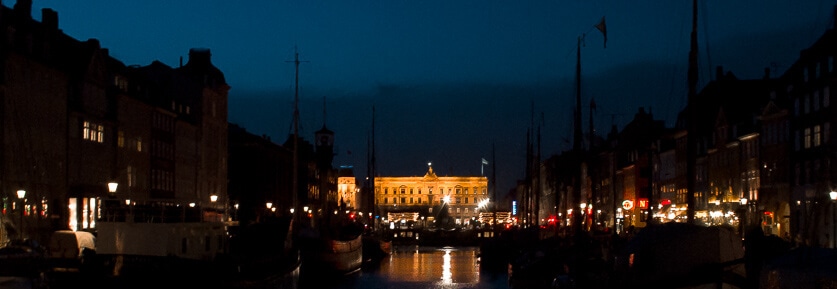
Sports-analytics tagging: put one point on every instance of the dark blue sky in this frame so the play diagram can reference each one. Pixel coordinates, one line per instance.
(449, 79)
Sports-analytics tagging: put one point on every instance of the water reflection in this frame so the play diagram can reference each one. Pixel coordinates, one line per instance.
(422, 267)
(444, 266)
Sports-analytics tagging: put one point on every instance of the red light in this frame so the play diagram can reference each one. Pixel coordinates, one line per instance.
(642, 203)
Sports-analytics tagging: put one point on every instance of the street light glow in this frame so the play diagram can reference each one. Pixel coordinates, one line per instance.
(112, 187)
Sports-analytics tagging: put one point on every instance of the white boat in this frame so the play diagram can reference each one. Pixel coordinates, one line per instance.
(162, 240)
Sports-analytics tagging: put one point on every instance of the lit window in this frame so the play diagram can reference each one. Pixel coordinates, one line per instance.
(132, 176)
(93, 132)
(100, 133)
(817, 136)
(139, 144)
(86, 132)
(121, 139)
(807, 140)
(73, 213)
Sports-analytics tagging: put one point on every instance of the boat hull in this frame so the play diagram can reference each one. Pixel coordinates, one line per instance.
(335, 256)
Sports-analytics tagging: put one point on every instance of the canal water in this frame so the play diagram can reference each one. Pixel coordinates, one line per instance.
(417, 267)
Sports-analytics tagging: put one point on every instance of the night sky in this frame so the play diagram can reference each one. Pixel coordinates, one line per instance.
(449, 80)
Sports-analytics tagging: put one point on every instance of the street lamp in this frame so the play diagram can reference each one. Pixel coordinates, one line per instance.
(112, 187)
(21, 194)
(833, 196)
(745, 216)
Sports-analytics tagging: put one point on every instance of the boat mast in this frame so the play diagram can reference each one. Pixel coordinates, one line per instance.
(372, 177)
(691, 137)
(494, 187)
(576, 215)
(295, 186)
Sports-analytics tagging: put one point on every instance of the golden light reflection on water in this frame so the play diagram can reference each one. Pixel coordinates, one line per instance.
(443, 266)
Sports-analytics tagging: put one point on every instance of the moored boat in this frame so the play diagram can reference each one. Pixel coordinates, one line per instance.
(162, 240)
(375, 248)
(332, 255)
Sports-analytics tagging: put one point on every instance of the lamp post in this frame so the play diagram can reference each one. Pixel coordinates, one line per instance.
(833, 196)
(112, 207)
(21, 194)
(744, 216)
(213, 198)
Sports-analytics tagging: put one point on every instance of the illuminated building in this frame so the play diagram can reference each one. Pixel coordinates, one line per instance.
(346, 188)
(449, 200)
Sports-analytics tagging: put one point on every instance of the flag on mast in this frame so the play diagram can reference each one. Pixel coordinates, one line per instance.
(603, 28)
(485, 162)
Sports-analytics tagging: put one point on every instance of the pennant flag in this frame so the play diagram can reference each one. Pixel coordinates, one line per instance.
(603, 28)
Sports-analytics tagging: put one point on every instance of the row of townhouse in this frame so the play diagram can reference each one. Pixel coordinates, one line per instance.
(80, 130)
(765, 156)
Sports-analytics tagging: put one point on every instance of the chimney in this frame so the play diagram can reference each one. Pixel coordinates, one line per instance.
(719, 72)
(199, 57)
(94, 43)
(49, 18)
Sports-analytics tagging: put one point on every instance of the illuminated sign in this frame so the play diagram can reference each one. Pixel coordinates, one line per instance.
(642, 203)
(665, 202)
(514, 207)
(627, 204)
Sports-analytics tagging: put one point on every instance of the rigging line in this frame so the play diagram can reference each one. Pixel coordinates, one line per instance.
(708, 69)
(674, 75)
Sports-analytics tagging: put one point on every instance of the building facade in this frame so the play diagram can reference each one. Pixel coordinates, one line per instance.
(443, 201)
(82, 132)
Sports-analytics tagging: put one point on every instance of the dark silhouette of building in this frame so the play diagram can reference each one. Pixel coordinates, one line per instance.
(75, 119)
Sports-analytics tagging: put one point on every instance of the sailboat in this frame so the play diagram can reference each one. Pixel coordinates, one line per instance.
(705, 256)
(376, 246)
(333, 243)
